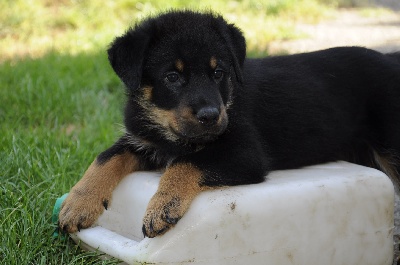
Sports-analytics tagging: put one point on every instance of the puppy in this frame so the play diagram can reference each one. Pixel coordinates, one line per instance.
(199, 109)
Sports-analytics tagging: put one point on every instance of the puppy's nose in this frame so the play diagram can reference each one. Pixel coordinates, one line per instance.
(208, 116)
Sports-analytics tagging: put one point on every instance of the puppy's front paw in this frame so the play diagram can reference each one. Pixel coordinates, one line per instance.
(163, 212)
(80, 210)
(171, 200)
(91, 195)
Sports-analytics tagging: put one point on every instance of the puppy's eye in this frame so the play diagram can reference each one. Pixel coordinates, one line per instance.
(218, 73)
(172, 77)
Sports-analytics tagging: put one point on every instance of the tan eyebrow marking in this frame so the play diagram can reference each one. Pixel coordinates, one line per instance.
(179, 65)
(213, 62)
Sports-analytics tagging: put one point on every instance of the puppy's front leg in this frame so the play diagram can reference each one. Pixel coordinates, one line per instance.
(179, 185)
(206, 169)
(92, 194)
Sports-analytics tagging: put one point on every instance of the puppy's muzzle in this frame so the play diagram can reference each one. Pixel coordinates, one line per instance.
(199, 126)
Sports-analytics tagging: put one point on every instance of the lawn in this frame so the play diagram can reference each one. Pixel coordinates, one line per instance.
(60, 102)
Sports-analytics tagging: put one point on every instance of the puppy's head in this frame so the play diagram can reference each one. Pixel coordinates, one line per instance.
(180, 69)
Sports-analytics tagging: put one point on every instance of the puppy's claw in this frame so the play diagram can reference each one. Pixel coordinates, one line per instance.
(151, 227)
(171, 220)
(105, 204)
(144, 231)
(153, 233)
(65, 229)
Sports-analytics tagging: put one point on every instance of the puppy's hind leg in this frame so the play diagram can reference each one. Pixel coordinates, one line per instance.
(389, 163)
(384, 124)
(386, 133)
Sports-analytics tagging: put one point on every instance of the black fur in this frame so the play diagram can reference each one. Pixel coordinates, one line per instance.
(282, 112)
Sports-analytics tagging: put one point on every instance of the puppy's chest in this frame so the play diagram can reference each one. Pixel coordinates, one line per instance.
(162, 154)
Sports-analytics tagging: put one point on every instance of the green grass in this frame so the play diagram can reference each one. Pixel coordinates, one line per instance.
(56, 114)
(61, 104)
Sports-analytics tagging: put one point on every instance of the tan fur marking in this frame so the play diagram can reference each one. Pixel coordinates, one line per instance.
(213, 62)
(223, 116)
(187, 114)
(87, 199)
(167, 119)
(164, 119)
(179, 185)
(182, 179)
(147, 93)
(179, 65)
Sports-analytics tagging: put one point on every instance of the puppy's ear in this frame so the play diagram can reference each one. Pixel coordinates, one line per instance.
(236, 44)
(126, 55)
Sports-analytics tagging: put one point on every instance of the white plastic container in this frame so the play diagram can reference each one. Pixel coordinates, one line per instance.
(337, 213)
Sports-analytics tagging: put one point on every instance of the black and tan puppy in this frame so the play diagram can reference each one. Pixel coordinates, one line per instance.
(198, 109)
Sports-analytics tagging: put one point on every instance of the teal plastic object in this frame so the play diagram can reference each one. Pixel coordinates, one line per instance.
(56, 211)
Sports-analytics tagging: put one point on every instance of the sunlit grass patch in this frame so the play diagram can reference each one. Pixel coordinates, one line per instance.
(33, 28)
(375, 12)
